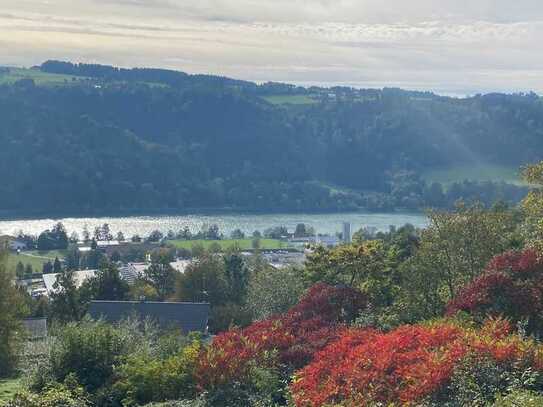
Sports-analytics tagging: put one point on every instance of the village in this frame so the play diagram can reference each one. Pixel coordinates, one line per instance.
(132, 258)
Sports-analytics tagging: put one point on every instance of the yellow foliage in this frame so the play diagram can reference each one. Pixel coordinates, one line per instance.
(532, 206)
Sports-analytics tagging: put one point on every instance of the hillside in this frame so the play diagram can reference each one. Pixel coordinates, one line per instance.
(86, 138)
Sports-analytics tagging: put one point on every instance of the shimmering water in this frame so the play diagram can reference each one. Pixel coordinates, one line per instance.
(143, 225)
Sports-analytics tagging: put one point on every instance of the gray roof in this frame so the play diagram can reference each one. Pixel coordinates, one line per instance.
(189, 316)
(36, 328)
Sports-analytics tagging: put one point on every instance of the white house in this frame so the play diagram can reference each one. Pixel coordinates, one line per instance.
(180, 265)
(328, 240)
(130, 272)
(85, 247)
(80, 277)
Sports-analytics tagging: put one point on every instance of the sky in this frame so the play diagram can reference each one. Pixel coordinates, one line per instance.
(455, 47)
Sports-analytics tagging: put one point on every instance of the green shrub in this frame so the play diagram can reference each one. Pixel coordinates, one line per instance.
(53, 396)
(480, 382)
(520, 398)
(274, 291)
(89, 351)
(144, 377)
(264, 388)
(126, 364)
(225, 316)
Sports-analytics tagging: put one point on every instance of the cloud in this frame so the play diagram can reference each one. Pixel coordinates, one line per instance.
(449, 46)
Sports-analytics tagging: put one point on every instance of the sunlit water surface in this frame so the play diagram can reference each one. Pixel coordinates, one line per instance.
(143, 225)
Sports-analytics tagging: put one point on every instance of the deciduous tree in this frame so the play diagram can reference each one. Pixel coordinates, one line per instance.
(12, 309)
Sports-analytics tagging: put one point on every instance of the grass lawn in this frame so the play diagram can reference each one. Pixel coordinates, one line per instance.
(8, 388)
(39, 77)
(475, 173)
(244, 244)
(290, 99)
(35, 258)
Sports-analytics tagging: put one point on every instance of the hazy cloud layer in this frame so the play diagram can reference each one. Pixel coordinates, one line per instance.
(450, 46)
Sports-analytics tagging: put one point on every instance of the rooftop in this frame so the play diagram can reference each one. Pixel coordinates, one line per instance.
(188, 316)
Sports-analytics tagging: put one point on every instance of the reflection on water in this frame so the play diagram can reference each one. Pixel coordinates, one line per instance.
(143, 225)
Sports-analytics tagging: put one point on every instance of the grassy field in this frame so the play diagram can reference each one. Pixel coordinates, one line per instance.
(8, 388)
(290, 99)
(475, 173)
(39, 77)
(49, 79)
(35, 258)
(244, 244)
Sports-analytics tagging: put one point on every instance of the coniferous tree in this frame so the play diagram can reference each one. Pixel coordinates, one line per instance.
(108, 285)
(67, 302)
(29, 272)
(73, 258)
(57, 266)
(47, 268)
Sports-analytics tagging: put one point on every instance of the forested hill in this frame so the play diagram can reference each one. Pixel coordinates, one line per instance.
(90, 138)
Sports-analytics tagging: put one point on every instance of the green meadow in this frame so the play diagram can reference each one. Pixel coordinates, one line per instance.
(39, 77)
(35, 258)
(243, 244)
(290, 99)
(478, 173)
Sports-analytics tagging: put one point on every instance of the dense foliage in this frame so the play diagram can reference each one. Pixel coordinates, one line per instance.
(146, 376)
(53, 239)
(412, 364)
(119, 141)
(128, 364)
(283, 342)
(512, 286)
(452, 251)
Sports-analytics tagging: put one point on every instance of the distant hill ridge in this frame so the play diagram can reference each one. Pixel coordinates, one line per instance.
(113, 140)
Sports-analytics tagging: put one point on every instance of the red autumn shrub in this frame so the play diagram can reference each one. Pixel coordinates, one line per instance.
(511, 286)
(287, 341)
(403, 366)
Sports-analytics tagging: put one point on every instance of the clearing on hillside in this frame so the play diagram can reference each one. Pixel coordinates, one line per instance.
(475, 172)
(290, 99)
(12, 75)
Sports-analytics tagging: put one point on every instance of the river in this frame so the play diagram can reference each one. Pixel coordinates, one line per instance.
(328, 223)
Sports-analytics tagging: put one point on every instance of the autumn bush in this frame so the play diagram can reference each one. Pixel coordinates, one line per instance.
(281, 343)
(412, 364)
(512, 286)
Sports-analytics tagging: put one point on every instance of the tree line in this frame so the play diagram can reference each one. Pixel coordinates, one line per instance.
(130, 146)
